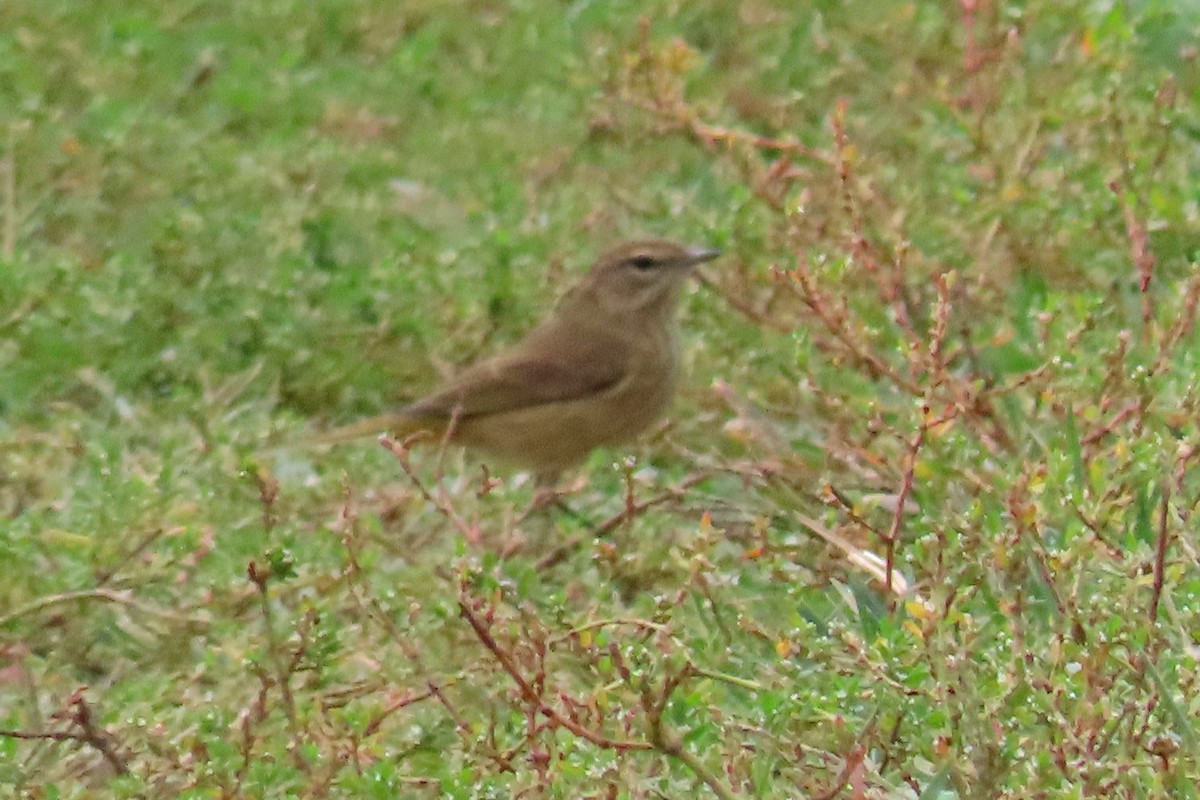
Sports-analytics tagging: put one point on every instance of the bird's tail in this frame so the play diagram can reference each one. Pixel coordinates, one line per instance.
(395, 423)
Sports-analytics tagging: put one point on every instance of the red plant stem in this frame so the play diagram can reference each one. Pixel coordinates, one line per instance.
(400, 451)
(1160, 557)
(504, 658)
(906, 485)
(1110, 426)
(1140, 253)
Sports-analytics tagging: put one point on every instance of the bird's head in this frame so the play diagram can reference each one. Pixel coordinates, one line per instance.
(643, 276)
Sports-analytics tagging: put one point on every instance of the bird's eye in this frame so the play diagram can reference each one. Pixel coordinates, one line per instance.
(642, 262)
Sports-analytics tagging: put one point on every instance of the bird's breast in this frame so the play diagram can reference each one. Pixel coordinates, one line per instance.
(560, 434)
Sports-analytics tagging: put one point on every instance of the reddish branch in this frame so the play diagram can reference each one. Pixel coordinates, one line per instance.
(801, 281)
(744, 307)
(1182, 461)
(631, 511)
(941, 323)
(851, 771)
(1108, 427)
(268, 493)
(83, 729)
(250, 718)
(1160, 556)
(1182, 326)
(714, 134)
(400, 451)
(890, 286)
(858, 239)
(972, 60)
(1139, 251)
(529, 693)
(936, 370)
(532, 691)
(906, 485)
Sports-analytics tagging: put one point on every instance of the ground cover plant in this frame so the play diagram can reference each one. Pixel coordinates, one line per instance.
(920, 524)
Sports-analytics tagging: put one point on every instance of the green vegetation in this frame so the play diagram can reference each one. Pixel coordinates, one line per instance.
(955, 333)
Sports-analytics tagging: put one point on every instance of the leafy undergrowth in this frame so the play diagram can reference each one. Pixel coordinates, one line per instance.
(920, 524)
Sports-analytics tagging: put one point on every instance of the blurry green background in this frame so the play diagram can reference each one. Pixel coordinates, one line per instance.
(225, 225)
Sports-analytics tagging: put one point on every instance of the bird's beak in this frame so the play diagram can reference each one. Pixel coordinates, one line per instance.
(698, 255)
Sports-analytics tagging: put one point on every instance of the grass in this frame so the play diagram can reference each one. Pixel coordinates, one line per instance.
(921, 524)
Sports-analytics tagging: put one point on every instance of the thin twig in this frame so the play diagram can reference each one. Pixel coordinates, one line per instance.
(53, 736)
(1104, 430)
(80, 716)
(1160, 555)
(1182, 461)
(123, 597)
(852, 765)
(743, 307)
(630, 512)
(669, 743)
(714, 134)
(529, 693)
(400, 450)
(801, 282)
(604, 623)
(107, 574)
(261, 578)
(1139, 251)
(863, 559)
(1184, 322)
(891, 291)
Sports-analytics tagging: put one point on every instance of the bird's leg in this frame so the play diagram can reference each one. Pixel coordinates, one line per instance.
(545, 489)
(546, 494)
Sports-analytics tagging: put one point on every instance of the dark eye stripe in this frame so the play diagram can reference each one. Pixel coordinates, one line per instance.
(642, 262)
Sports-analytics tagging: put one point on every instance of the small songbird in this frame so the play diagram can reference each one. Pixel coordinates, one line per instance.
(597, 372)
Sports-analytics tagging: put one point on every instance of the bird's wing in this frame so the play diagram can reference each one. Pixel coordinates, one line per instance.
(562, 369)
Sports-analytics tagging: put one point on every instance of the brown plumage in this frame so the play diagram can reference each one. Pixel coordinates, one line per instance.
(597, 372)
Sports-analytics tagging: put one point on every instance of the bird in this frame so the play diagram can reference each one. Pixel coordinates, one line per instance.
(599, 370)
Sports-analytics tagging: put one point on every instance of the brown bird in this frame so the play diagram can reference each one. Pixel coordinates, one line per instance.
(597, 372)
